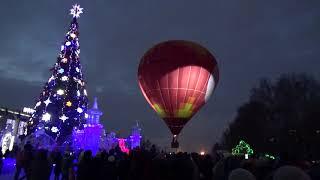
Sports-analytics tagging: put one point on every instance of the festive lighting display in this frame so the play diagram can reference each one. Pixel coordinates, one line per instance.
(69, 103)
(46, 117)
(76, 11)
(64, 78)
(92, 136)
(51, 79)
(242, 148)
(38, 103)
(28, 110)
(64, 60)
(47, 102)
(54, 129)
(246, 156)
(62, 94)
(122, 145)
(79, 110)
(73, 35)
(7, 142)
(63, 118)
(61, 71)
(269, 156)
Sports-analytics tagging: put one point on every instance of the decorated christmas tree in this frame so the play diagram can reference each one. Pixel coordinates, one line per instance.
(62, 105)
(242, 148)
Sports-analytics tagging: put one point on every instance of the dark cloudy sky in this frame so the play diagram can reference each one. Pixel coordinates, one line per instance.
(251, 39)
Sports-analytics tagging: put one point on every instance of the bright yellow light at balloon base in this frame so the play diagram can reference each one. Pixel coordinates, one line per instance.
(202, 153)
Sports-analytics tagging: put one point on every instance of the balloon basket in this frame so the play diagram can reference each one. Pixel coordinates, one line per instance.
(174, 143)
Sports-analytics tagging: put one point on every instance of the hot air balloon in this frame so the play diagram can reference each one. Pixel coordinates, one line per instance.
(176, 78)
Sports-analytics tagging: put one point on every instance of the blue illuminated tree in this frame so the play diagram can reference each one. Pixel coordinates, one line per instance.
(62, 105)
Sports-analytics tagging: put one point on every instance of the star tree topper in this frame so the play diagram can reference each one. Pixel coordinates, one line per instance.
(76, 11)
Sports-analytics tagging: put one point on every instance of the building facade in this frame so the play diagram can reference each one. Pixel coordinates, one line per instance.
(13, 124)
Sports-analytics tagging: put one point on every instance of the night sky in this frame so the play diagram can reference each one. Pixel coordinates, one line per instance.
(250, 39)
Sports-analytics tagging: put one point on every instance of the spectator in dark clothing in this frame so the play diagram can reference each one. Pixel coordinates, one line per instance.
(27, 159)
(57, 161)
(85, 166)
(40, 166)
(206, 166)
(66, 165)
(124, 166)
(19, 164)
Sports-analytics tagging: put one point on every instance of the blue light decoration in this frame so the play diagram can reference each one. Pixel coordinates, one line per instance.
(9, 165)
(89, 137)
(60, 108)
(135, 137)
(93, 137)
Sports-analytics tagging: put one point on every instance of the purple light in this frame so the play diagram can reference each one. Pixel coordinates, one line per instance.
(88, 138)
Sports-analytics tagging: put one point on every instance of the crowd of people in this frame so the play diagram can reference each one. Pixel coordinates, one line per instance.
(142, 164)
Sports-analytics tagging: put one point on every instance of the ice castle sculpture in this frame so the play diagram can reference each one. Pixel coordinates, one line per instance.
(135, 137)
(93, 136)
(89, 137)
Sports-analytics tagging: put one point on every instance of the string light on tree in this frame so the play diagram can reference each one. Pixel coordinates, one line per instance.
(85, 92)
(242, 148)
(60, 92)
(79, 82)
(54, 129)
(69, 104)
(78, 93)
(73, 35)
(47, 102)
(46, 117)
(68, 43)
(79, 110)
(63, 118)
(64, 78)
(64, 60)
(61, 71)
(38, 104)
(51, 78)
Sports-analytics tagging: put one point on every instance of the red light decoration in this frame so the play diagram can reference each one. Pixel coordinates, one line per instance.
(122, 145)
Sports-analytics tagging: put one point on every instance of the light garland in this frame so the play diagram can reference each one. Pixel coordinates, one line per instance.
(242, 148)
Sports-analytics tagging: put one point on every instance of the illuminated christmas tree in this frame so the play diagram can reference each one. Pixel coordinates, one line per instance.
(242, 148)
(62, 105)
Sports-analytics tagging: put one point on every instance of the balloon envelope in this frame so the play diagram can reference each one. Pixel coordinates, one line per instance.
(177, 78)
